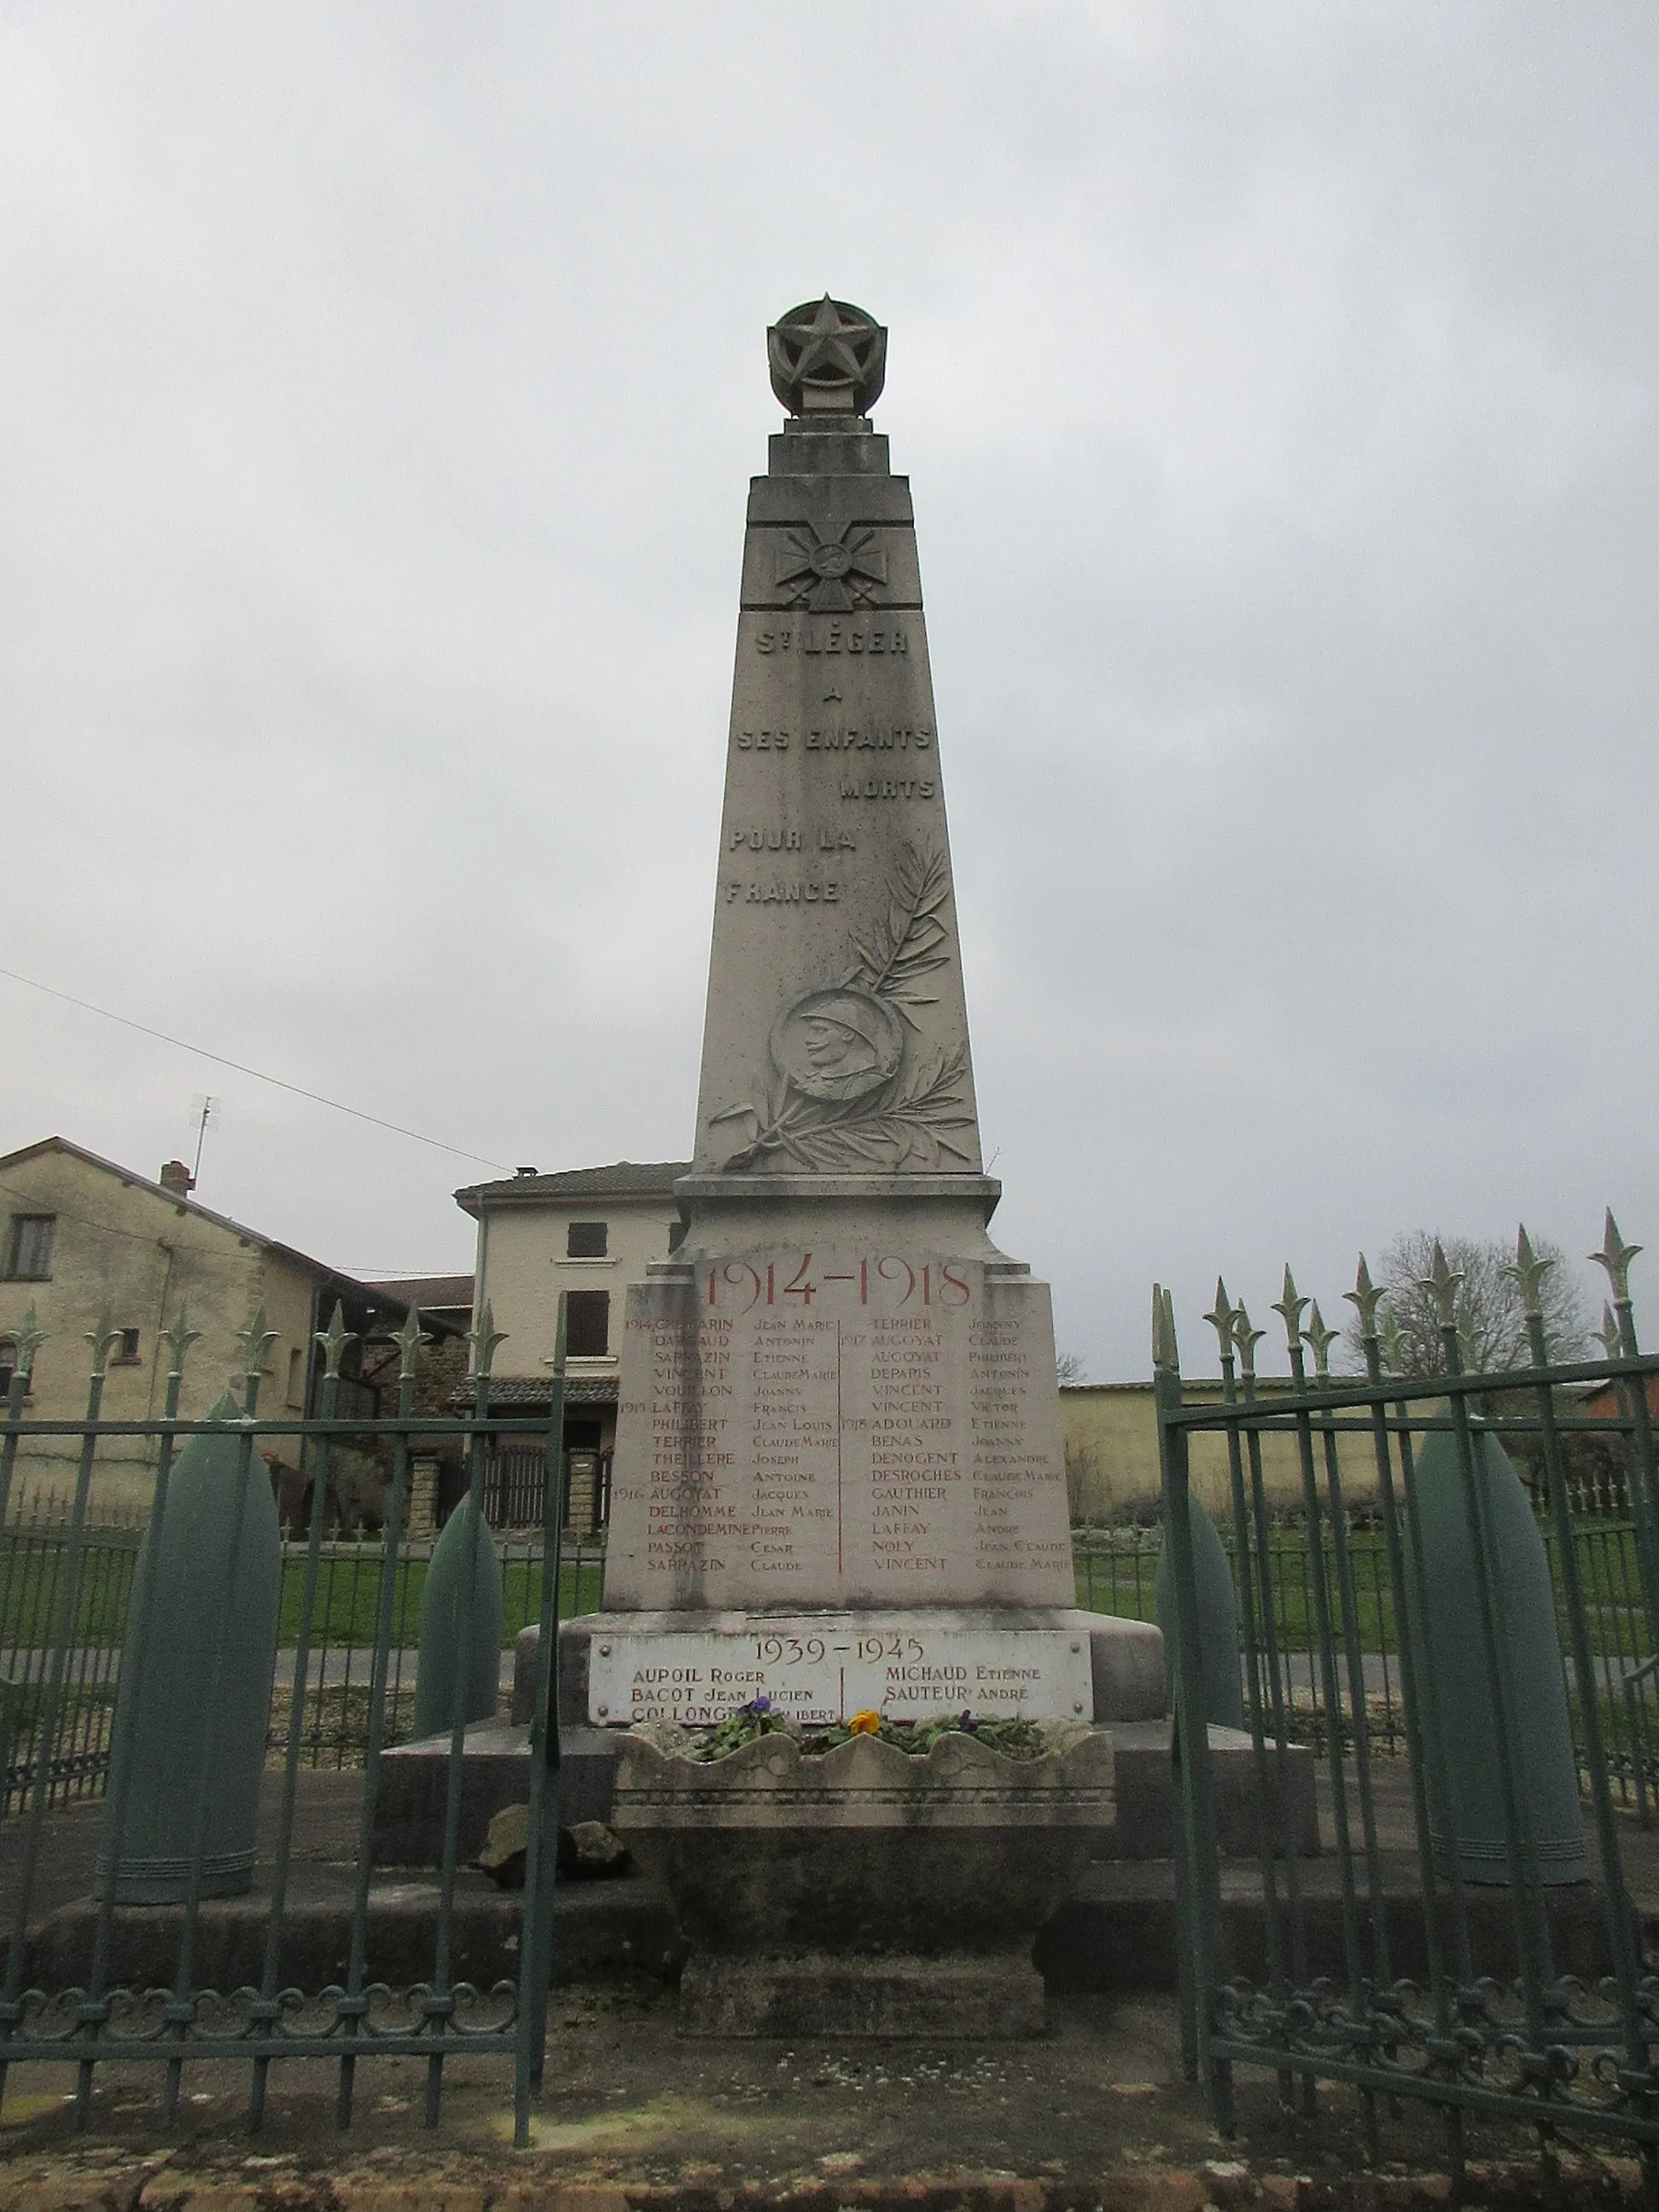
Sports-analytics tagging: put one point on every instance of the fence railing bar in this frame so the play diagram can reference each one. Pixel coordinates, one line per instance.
(1358, 1702)
(1424, 1748)
(353, 2009)
(1333, 1700)
(438, 2004)
(97, 2009)
(1272, 1817)
(1532, 1937)
(265, 2009)
(1616, 1906)
(1279, 1703)
(1198, 1897)
(65, 1597)
(541, 1853)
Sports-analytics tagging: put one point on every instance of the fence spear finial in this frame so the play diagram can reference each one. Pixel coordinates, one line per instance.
(256, 1341)
(483, 1336)
(1441, 1283)
(1220, 1318)
(1246, 1339)
(26, 1339)
(409, 1339)
(1365, 1297)
(334, 1339)
(179, 1336)
(1615, 1256)
(103, 1339)
(1290, 1307)
(1529, 1271)
(1322, 1340)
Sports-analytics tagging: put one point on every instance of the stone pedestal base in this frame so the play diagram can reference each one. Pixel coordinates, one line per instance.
(812, 1993)
(862, 1890)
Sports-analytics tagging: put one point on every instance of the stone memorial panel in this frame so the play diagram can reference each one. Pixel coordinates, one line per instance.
(821, 1668)
(838, 1426)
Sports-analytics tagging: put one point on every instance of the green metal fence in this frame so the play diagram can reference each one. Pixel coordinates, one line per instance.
(35, 1564)
(1117, 1573)
(36, 1545)
(79, 1645)
(1487, 1962)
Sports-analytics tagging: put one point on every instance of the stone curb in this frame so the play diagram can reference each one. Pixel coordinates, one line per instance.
(278, 2184)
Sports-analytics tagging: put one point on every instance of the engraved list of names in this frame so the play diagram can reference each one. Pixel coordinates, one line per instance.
(838, 1427)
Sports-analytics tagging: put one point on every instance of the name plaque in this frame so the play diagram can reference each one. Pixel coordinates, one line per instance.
(818, 1672)
(838, 1428)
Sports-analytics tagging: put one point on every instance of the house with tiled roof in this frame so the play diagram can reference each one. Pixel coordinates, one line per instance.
(589, 1232)
(87, 1245)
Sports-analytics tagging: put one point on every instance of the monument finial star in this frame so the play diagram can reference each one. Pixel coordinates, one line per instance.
(827, 358)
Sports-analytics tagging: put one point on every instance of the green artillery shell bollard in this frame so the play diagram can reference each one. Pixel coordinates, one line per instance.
(1218, 1618)
(446, 1670)
(199, 1707)
(1446, 1628)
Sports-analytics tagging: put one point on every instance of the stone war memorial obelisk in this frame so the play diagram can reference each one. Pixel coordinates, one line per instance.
(839, 1481)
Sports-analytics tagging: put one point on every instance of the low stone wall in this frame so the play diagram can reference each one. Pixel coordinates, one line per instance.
(1112, 1471)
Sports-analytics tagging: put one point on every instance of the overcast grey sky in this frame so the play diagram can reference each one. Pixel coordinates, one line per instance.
(379, 391)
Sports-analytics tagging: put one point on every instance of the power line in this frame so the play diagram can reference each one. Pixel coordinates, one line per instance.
(257, 1073)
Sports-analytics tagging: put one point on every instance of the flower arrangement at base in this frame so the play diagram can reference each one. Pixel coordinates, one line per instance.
(1015, 1738)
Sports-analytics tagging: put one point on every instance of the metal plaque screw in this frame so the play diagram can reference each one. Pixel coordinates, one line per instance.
(604, 1709)
(604, 1650)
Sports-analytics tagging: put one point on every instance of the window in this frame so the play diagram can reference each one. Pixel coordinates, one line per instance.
(676, 1235)
(126, 1352)
(8, 1368)
(296, 1378)
(29, 1258)
(586, 1239)
(587, 1324)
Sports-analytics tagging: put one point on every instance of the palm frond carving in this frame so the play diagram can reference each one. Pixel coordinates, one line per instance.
(915, 1119)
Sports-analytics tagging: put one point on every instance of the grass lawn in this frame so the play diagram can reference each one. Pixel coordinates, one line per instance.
(348, 1595)
(1120, 1577)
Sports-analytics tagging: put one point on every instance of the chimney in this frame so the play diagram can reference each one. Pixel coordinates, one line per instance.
(177, 1177)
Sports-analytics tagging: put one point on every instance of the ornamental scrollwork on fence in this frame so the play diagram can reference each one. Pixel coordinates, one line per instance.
(243, 2022)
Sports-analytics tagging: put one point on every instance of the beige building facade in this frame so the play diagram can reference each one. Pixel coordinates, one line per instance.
(87, 1244)
(589, 1233)
(1112, 1468)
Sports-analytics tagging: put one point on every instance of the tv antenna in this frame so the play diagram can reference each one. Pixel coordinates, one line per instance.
(203, 1108)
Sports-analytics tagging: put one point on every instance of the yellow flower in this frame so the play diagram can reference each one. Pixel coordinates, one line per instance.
(865, 1723)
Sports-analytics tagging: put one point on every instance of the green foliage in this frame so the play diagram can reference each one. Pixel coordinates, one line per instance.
(744, 1726)
(1015, 1738)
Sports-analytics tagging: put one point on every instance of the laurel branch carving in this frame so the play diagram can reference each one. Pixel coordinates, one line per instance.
(913, 1119)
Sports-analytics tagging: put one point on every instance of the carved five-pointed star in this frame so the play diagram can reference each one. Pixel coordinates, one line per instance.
(825, 345)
